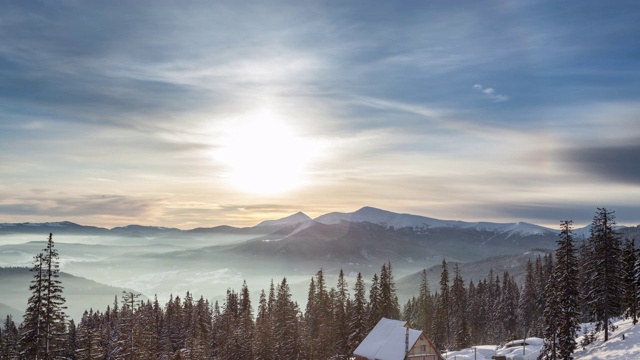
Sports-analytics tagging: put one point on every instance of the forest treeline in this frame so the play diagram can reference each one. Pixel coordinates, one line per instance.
(591, 281)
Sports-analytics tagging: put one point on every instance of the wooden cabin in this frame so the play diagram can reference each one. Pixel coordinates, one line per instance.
(396, 340)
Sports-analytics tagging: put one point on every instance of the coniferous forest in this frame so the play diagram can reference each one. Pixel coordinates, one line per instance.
(594, 280)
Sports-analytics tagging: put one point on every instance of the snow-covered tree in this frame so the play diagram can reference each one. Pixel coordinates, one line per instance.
(32, 329)
(441, 325)
(88, 338)
(508, 307)
(389, 306)
(605, 270)
(44, 328)
(341, 318)
(263, 343)
(9, 340)
(286, 325)
(374, 310)
(629, 259)
(459, 310)
(562, 312)
(424, 304)
(357, 318)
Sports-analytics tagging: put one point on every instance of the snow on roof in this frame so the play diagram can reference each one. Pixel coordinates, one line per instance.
(387, 341)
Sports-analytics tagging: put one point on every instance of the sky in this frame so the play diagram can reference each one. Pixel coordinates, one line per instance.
(202, 113)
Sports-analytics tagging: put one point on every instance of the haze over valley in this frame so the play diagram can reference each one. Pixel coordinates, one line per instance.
(208, 261)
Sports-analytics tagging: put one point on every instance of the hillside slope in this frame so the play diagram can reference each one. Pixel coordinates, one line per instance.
(80, 293)
(618, 348)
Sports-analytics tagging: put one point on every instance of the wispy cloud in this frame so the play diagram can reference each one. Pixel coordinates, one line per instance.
(134, 102)
(490, 93)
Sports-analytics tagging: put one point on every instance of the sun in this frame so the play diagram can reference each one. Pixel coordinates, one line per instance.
(263, 155)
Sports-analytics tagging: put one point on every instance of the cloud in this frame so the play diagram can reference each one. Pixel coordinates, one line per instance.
(65, 206)
(490, 93)
(616, 163)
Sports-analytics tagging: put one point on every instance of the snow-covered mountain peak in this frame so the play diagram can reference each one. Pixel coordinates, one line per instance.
(391, 219)
(289, 220)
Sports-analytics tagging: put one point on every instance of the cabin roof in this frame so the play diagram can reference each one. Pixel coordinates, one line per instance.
(387, 341)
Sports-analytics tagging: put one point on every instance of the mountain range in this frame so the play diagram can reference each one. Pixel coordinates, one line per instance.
(366, 214)
(209, 260)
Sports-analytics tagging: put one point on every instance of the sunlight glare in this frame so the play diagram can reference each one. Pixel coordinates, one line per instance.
(264, 155)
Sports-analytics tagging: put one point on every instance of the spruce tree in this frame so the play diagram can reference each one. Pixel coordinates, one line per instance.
(605, 267)
(562, 314)
(263, 344)
(54, 317)
(32, 329)
(374, 309)
(9, 340)
(341, 318)
(508, 307)
(424, 304)
(444, 308)
(527, 303)
(286, 327)
(357, 321)
(129, 326)
(459, 310)
(245, 325)
(44, 329)
(88, 339)
(629, 259)
(389, 306)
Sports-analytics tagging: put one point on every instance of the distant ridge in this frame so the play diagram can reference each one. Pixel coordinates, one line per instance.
(385, 218)
(398, 221)
(286, 221)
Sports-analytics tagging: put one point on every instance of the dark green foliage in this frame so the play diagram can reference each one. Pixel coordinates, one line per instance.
(43, 332)
(9, 340)
(562, 312)
(357, 316)
(629, 259)
(341, 318)
(604, 267)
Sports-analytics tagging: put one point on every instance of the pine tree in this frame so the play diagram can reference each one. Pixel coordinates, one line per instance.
(53, 301)
(476, 314)
(32, 329)
(374, 309)
(88, 338)
(562, 312)
(527, 303)
(9, 340)
(69, 352)
(389, 306)
(44, 329)
(228, 347)
(566, 278)
(629, 259)
(604, 296)
(263, 344)
(245, 325)
(319, 319)
(286, 325)
(202, 331)
(341, 318)
(459, 310)
(424, 304)
(584, 254)
(129, 326)
(551, 316)
(443, 312)
(508, 307)
(358, 321)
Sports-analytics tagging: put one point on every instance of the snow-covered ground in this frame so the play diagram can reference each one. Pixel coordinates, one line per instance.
(512, 351)
(616, 348)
